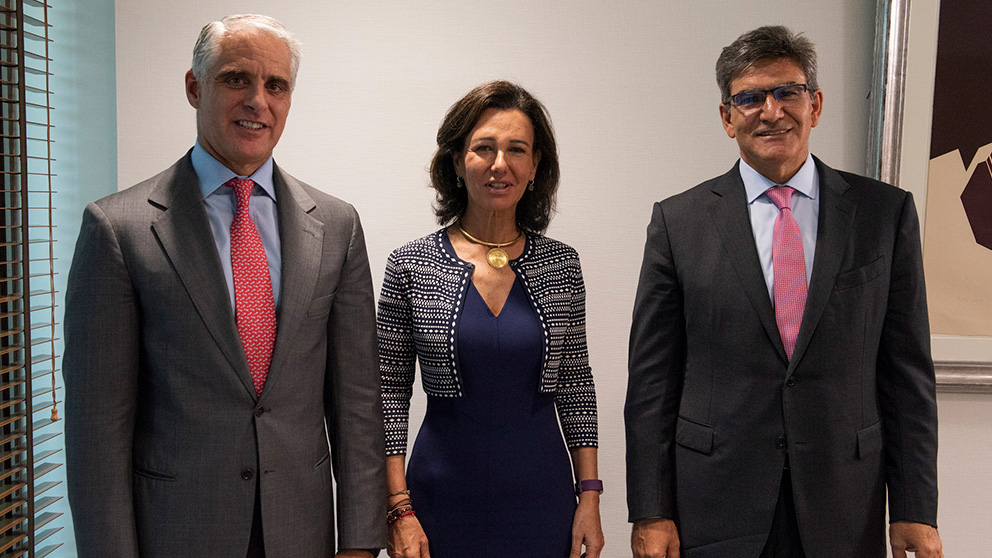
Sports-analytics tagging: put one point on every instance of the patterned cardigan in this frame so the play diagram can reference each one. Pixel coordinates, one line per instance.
(422, 294)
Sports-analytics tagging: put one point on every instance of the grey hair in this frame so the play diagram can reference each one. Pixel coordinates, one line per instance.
(765, 43)
(208, 44)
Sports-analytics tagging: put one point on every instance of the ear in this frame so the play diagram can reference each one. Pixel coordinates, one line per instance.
(817, 107)
(192, 90)
(728, 126)
(458, 160)
(537, 160)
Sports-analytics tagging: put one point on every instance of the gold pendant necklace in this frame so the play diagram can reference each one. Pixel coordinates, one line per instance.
(496, 256)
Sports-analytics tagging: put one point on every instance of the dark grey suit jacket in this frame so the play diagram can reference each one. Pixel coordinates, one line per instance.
(166, 441)
(713, 405)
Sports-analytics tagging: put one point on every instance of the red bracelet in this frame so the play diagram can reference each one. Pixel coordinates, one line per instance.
(395, 518)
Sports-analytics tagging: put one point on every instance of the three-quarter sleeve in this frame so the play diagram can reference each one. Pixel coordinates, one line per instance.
(397, 355)
(576, 394)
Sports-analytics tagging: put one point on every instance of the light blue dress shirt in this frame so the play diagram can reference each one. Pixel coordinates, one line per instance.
(220, 204)
(805, 210)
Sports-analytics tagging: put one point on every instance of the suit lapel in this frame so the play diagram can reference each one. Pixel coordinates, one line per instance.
(185, 236)
(301, 239)
(833, 231)
(728, 210)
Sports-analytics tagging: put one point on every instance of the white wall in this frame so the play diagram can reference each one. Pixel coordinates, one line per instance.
(630, 87)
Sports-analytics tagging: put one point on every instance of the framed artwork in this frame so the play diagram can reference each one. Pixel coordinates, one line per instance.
(932, 135)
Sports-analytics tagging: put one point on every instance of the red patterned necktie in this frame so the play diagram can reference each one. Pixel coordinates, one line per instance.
(254, 306)
(789, 268)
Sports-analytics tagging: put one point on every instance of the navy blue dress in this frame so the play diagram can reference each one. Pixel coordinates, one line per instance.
(489, 473)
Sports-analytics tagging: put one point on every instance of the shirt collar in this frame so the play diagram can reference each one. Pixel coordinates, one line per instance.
(213, 174)
(806, 181)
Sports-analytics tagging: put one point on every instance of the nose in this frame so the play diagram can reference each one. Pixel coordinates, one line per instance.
(772, 108)
(255, 97)
(500, 162)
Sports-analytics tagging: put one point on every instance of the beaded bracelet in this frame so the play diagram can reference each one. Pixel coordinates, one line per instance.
(397, 513)
(398, 493)
(395, 518)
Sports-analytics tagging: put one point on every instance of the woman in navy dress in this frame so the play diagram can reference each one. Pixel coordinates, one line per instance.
(495, 314)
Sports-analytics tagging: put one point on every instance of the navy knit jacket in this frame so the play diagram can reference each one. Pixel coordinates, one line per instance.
(422, 294)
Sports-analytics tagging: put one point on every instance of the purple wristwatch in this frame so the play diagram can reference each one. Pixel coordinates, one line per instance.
(590, 484)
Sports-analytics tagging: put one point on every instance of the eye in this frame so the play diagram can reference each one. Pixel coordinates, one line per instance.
(748, 98)
(482, 148)
(277, 86)
(786, 93)
(236, 80)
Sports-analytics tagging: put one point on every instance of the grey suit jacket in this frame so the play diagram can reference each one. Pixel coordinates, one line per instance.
(166, 441)
(714, 406)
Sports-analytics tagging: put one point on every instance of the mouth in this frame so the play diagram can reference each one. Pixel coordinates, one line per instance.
(772, 133)
(250, 125)
(497, 185)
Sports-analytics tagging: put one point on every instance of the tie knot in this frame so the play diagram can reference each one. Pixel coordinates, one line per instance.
(242, 186)
(781, 196)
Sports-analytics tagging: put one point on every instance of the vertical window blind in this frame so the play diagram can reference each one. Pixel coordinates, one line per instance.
(31, 445)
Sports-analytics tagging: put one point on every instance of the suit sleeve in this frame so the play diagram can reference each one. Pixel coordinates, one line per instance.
(906, 384)
(397, 355)
(575, 397)
(100, 370)
(354, 404)
(656, 364)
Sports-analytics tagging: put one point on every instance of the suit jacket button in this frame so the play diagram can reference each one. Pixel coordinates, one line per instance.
(781, 441)
(247, 474)
(790, 382)
(259, 411)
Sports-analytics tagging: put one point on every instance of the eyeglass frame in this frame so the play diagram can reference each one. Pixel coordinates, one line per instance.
(764, 92)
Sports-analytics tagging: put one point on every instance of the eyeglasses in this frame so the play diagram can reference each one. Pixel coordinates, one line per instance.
(753, 99)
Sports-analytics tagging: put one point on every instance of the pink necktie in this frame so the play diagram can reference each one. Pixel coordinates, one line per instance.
(254, 306)
(789, 267)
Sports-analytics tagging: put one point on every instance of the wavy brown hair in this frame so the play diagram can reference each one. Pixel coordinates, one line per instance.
(536, 207)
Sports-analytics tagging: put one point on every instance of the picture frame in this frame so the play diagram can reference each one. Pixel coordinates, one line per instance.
(900, 133)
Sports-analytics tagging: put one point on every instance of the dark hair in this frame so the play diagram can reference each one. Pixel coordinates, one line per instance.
(536, 207)
(765, 43)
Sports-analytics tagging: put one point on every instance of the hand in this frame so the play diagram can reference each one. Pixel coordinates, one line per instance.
(587, 528)
(407, 539)
(920, 538)
(354, 553)
(654, 538)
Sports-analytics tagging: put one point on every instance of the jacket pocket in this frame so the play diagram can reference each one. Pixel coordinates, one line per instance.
(152, 475)
(870, 440)
(861, 275)
(320, 306)
(694, 436)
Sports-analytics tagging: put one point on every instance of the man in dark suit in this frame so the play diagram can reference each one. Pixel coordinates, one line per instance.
(219, 333)
(780, 374)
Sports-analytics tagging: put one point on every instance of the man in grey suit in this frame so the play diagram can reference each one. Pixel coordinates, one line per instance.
(219, 333)
(780, 373)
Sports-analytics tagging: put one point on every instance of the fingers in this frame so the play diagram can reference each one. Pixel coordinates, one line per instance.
(576, 551)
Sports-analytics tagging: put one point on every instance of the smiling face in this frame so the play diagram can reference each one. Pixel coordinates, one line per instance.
(774, 139)
(242, 104)
(497, 162)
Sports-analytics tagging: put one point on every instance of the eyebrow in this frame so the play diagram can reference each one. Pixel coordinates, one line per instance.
(246, 74)
(490, 138)
(786, 84)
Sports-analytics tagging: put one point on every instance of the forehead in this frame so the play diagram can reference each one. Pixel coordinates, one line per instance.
(764, 74)
(511, 121)
(255, 51)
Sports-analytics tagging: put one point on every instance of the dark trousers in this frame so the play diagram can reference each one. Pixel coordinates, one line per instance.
(256, 548)
(783, 540)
